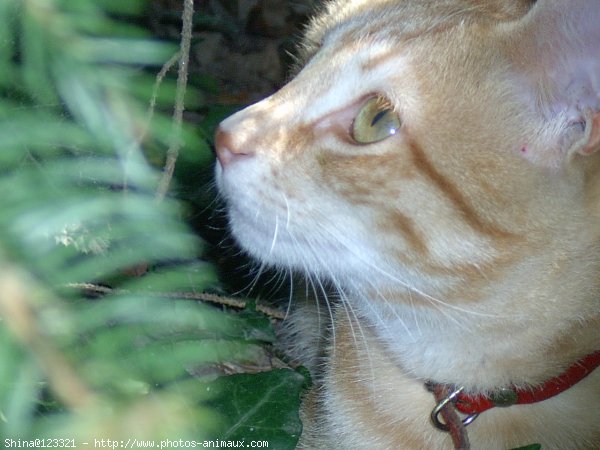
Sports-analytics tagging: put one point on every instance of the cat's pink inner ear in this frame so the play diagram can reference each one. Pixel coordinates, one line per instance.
(593, 143)
(554, 50)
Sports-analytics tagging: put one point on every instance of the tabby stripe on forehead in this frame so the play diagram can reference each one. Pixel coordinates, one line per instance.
(451, 192)
(376, 61)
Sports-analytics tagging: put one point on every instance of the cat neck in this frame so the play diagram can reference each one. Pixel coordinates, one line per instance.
(520, 329)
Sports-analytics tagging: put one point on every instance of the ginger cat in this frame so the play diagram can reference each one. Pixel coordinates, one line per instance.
(437, 162)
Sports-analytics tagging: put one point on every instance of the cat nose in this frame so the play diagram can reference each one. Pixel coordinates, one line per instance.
(227, 149)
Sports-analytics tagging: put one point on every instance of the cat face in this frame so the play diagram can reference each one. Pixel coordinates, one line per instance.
(407, 148)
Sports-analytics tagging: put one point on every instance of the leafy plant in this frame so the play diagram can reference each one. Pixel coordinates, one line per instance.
(259, 407)
(88, 350)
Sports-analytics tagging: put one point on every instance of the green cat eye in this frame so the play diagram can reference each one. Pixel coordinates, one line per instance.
(375, 122)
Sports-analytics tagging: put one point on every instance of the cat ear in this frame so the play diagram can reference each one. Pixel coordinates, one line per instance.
(555, 49)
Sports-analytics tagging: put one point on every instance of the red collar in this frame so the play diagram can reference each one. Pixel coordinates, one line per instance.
(476, 404)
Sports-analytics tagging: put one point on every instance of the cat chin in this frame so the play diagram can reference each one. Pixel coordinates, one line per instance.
(270, 244)
(279, 250)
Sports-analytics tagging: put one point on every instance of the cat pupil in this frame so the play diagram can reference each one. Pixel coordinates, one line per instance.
(380, 115)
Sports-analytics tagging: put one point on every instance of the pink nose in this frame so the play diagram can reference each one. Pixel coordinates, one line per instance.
(227, 150)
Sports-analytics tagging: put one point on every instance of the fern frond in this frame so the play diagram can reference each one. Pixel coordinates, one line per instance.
(77, 205)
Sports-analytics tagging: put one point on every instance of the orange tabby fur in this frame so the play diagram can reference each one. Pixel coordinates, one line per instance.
(465, 249)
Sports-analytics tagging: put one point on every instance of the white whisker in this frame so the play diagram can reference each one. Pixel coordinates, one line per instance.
(350, 315)
(403, 283)
(275, 233)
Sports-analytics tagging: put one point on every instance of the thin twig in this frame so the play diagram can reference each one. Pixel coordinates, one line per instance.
(150, 115)
(182, 76)
(160, 76)
(231, 302)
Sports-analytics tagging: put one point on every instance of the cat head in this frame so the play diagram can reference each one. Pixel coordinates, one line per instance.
(421, 140)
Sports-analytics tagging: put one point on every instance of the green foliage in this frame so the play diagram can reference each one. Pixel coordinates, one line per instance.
(78, 206)
(263, 406)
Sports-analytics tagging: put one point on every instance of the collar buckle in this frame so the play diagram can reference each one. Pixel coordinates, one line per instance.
(450, 398)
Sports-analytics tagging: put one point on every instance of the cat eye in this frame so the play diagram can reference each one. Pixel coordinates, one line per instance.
(375, 121)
